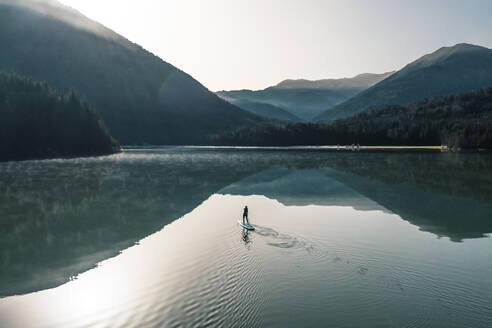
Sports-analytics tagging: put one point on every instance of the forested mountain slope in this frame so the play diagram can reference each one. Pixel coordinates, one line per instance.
(141, 98)
(36, 122)
(449, 70)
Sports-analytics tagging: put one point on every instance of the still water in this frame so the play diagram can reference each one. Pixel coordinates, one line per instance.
(149, 238)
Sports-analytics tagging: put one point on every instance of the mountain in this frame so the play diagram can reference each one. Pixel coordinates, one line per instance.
(461, 121)
(263, 109)
(303, 98)
(141, 98)
(36, 122)
(449, 70)
(361, 81)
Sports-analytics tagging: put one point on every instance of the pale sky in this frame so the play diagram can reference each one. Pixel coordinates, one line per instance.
(253, 44)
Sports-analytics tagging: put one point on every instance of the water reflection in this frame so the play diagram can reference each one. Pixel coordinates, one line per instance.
(444, 215)
(427, 206)
(449, 195)
(299, 187)
(245, 237)
(59, 218)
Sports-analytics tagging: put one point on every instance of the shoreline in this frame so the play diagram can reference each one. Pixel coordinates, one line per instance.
(324, 147)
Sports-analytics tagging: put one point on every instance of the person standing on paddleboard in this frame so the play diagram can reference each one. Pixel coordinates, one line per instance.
(245, 214)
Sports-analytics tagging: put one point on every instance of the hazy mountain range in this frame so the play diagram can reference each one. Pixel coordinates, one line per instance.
(458, 121)
(141, 98)
(302, 99)
(449, 70)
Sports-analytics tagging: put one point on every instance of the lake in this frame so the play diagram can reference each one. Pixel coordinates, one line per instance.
(149, 238)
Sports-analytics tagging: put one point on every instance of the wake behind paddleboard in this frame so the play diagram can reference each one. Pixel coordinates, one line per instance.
(246, 225)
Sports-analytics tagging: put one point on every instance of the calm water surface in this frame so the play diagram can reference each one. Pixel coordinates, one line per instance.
(149, 238)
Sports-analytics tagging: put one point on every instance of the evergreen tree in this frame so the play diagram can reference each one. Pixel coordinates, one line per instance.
(37, 122)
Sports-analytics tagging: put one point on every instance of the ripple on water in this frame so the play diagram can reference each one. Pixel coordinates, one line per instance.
(291, 242)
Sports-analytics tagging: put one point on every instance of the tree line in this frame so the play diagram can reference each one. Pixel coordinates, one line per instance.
(37, 122)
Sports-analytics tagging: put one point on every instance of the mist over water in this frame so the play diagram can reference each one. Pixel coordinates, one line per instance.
(149, 238)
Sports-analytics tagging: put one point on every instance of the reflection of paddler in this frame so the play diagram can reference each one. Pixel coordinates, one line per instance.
(245, 214)
(245, 236)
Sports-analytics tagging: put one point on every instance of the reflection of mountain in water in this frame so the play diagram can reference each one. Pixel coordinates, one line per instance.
(301, 187)
(432, 191)
(451, 216)
(59, 218)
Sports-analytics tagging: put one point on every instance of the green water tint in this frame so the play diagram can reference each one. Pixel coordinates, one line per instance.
(336, 234)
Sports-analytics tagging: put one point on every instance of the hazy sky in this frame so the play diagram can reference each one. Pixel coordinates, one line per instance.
(252, 44)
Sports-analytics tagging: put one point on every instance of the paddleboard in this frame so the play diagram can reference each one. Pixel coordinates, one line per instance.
(245, 225)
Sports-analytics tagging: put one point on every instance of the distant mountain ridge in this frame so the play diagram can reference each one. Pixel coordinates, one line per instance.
(141, 98)
(302, 98)
(449, 70)
(263, 109)
(361, 81)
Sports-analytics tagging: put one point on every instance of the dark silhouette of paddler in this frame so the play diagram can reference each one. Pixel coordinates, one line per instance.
(245, 214)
